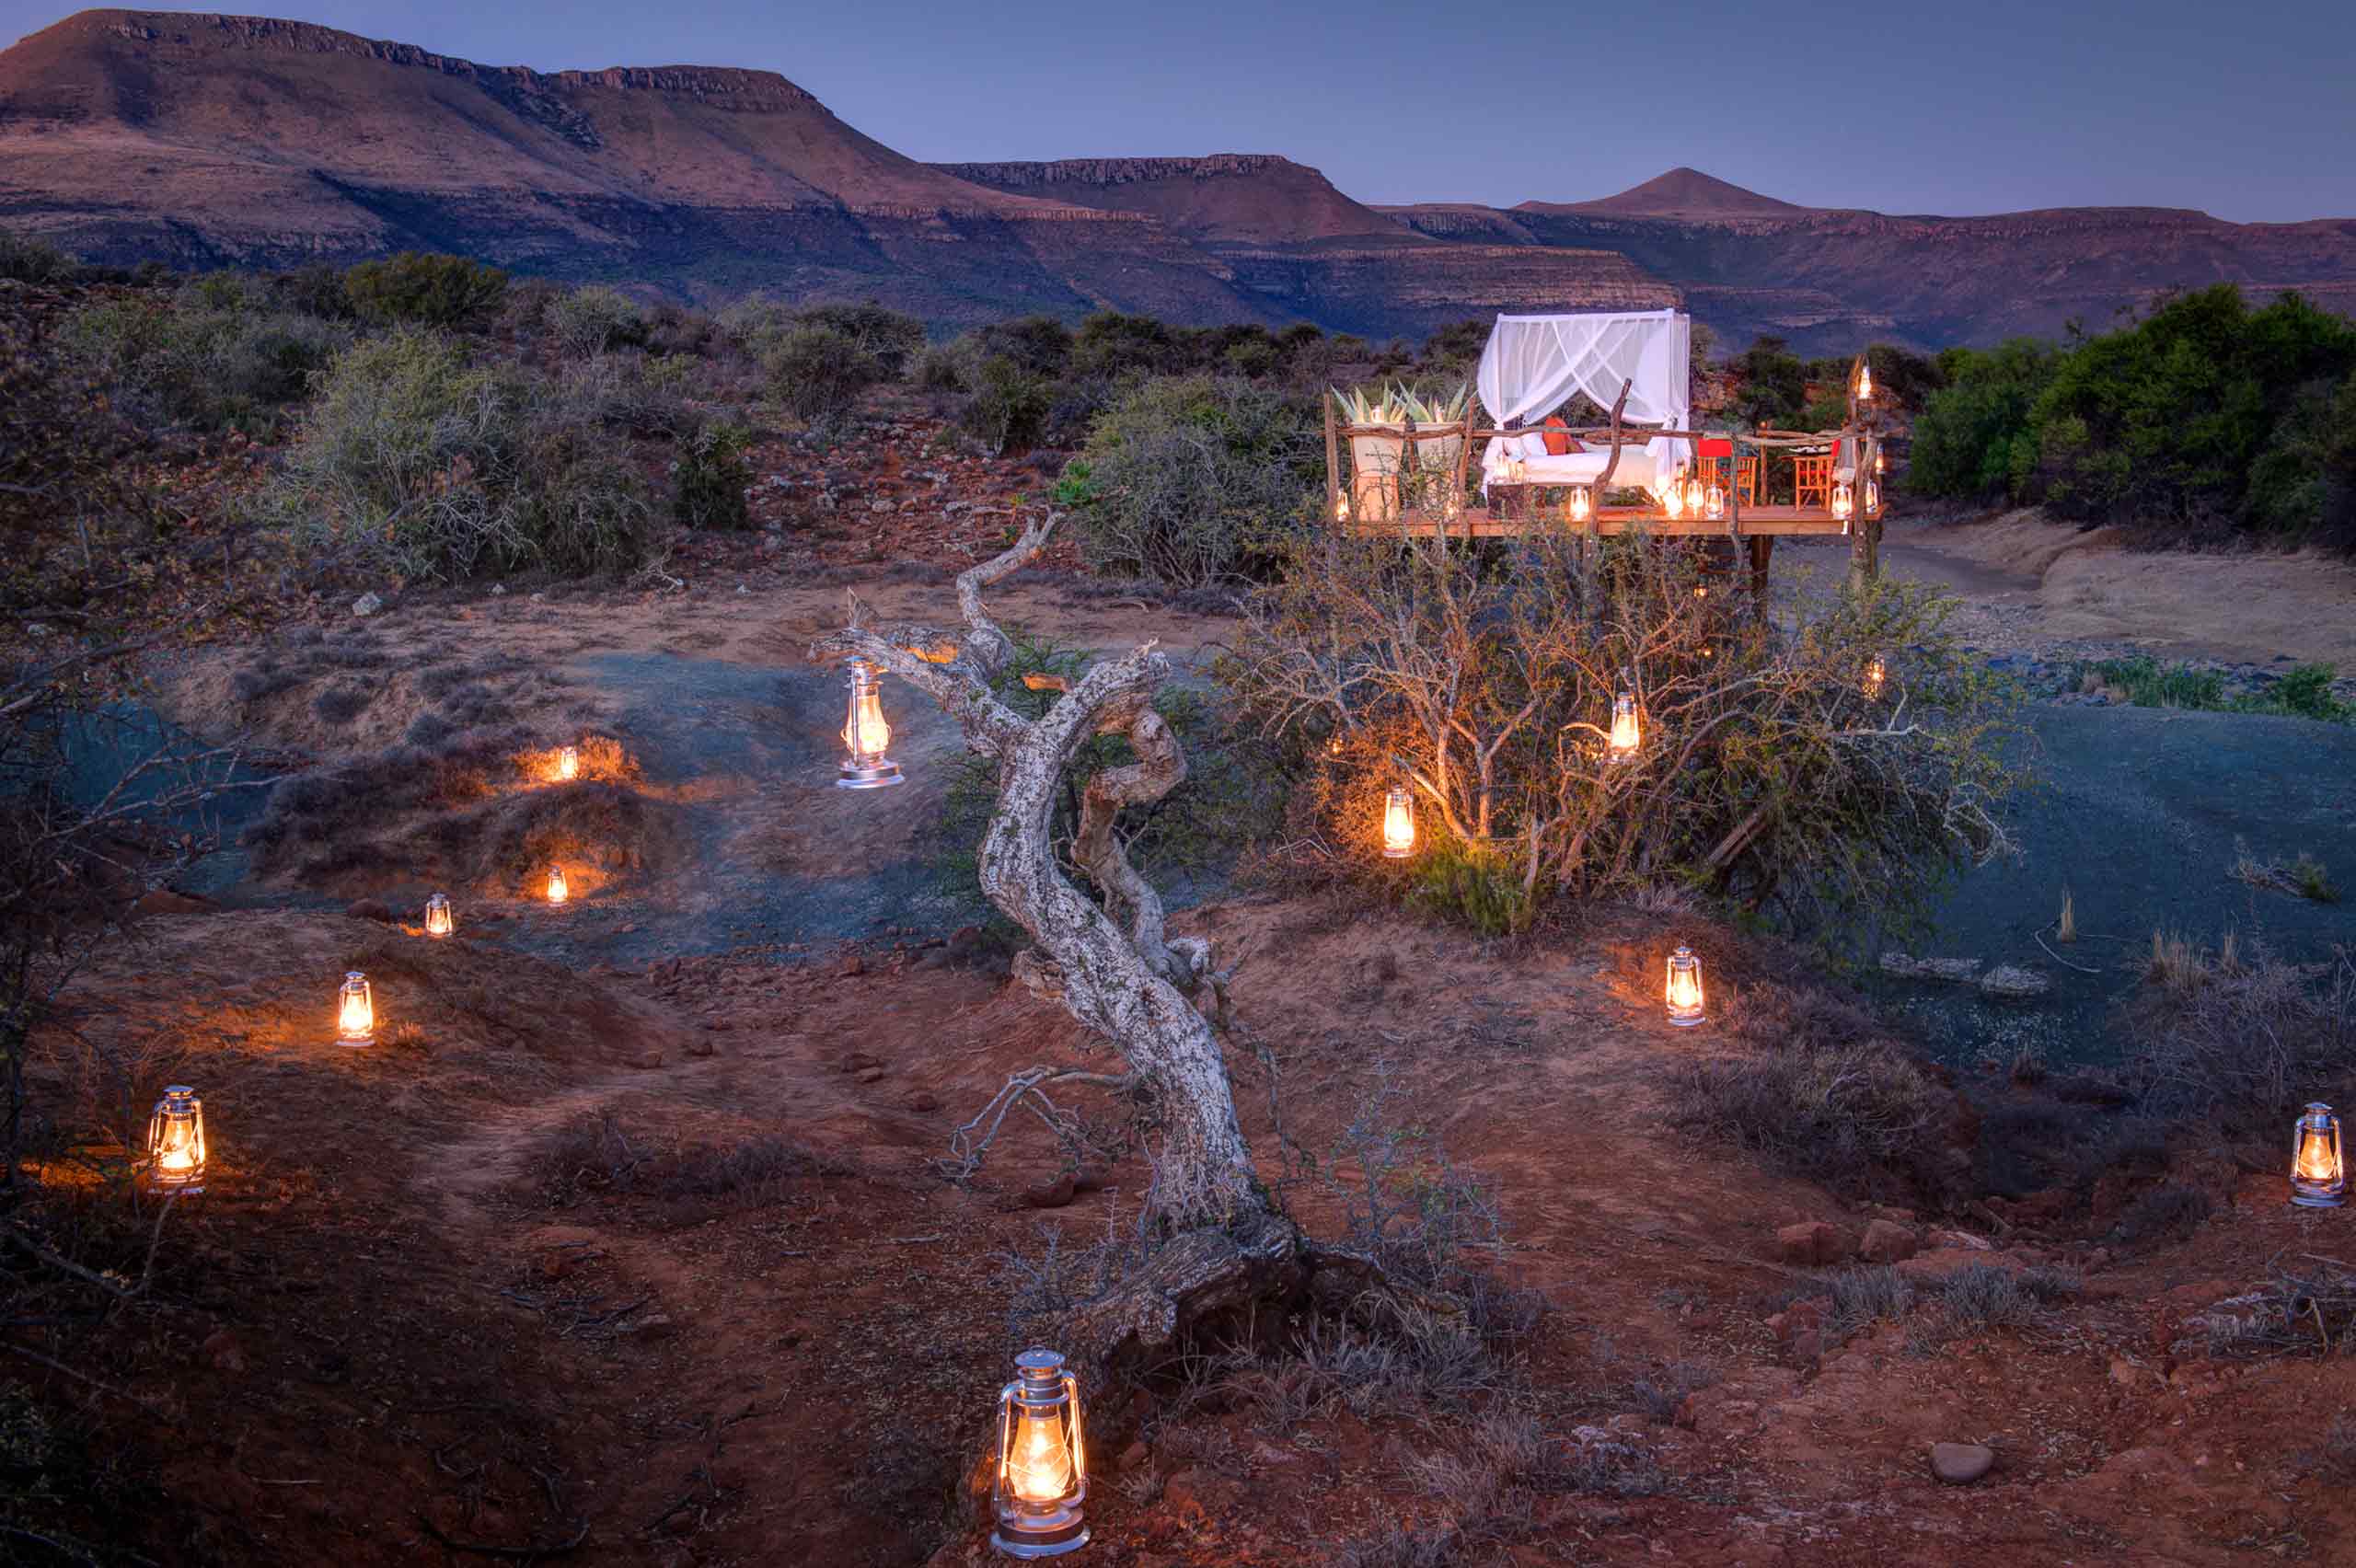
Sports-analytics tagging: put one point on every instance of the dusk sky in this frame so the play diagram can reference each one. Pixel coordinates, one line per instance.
(2246, 111)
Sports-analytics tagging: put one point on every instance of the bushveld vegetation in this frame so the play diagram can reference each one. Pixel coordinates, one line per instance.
(2205, 419)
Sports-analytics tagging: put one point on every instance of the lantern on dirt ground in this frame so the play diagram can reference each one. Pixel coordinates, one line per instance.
(567, 763)
(176, 1142)
(865, 736)
(558, 892)
(1397, 824)
(1684, 989)
(1627, 730)
(1041, 1465)
(1582, 503)
(356, 1011)
(439, 921)
(1874, 676)
(2319, 1170)
(1842, 503)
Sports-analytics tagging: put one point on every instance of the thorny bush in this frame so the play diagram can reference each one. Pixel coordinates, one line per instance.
(1484, 678)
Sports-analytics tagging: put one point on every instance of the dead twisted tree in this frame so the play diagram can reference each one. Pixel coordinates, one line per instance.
(1154, 997)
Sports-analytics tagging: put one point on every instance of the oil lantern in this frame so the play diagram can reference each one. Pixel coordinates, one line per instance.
(1714, 502)
(356, 1011)
(1397, 824)
(439, 921)
(176, 1142)
(1684, 989)
(1341, 508)
(1696, 496)
(1627, 731)
(1874, 677)
(865, 736)
(1872, 498)
(1672, 499)
(1841, 502)
(1042, 1467)
(1865, 382)
(1881, 461)
(1582, 503)
(567, 763)
(557, 891)
(2318, 1170)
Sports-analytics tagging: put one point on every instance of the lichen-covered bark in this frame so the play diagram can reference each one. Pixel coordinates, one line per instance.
(1134, 986)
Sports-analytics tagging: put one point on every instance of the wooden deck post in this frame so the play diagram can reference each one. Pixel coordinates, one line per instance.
(1333, 463)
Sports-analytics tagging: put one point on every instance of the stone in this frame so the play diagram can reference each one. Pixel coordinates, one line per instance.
(1886, 1242)
(367, 604)
(868, 1075)
(700, 1048)
(1814, 1244)
(369, 909)
(1960, 971)
(1963, 1238)
(1056, 1194)
(851, 964)
(1135, 1456)
(859, 1061)
(1799, 1330)
(1960, 1464)
(922, 1100)
(646, 1059)
(2011, 980)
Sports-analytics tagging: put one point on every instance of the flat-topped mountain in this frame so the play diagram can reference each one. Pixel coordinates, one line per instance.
(217, 140)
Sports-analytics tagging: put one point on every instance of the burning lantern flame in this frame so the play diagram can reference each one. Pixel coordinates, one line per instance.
(1341, 508)
(1872, 498)
(1842, 503)
(1865, 382)
(1672, 499)
(865, 736)
(176, 1142)
(1684, 989)
(2319, 1170)
(1582, 503)
(355, 1013)
(1627, 731)
(1714, 502)
(1695, 497)
(1881, 461)
(439, 922)
(557, 892)
(1397, 824)
(1042, 1463)
(567, 763)
(1875, 676)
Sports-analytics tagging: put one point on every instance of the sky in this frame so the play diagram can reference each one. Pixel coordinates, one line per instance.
(2245, 111)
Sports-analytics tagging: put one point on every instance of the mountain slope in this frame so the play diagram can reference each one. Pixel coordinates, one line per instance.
(1680, 193)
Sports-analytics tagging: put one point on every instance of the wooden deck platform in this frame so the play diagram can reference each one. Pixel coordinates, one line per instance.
(1480, 522)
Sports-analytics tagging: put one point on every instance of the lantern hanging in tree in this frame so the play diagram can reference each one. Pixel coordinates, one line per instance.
(1684, 989)
(1874, 677)
(865, 736)
(1881, 461)
(356, 1011)
(558, 892)
(567, 763)
(1042, 1463)
(1341, 508)
(439, 921)
(2318, 1168)
(1627, 730)
(1582, 503)
(176, 1142)
(1873, 499)
(1864, 381)
(1398, 823)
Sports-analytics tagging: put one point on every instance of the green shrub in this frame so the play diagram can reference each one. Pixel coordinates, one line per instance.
(1974, 439)
(1040, 345)
(426, 289)
(415, 462)
(1196, 481)
(215, 356)
(888, 338)
(26, 260)
(943, 367)
(1472, 886)
(318, 290)
(819, 374)
(1008, 406)
(1110, 344)
(1772, 385)
(709, 476)
(589, 321)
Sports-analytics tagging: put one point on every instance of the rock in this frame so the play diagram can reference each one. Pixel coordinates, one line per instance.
(2126, 1374)
(369, 909)
(368, 605)
(921, 1100)
(859, 1061)
(221, 1349)
(647, 1059)
(851, 964)
(2011, 980)
(1936, 1268)
(1134, 1458)
(1960, 971)
(868, 1075)
(1960, 1464)
(1963, 1238)
(1886, 1242)
(1052, 1195)
(1799, 1330)
(1814, 1244)
(700, 1048)
(653, 1326)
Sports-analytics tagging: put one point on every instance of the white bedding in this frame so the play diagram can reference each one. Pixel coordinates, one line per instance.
(1636, 470)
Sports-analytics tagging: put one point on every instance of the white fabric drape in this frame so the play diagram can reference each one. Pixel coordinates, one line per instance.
(1533, 363)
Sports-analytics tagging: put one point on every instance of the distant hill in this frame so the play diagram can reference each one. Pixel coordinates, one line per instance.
(214, 139)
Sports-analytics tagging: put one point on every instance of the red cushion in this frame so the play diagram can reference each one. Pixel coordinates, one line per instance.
(1559, 446)
(1719, 446)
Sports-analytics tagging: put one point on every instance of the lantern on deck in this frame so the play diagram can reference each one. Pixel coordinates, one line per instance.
(1042, 1465)
(1627, 731)
(439, 921)
(1397, 824)
(356, 1011)
(567, 763)
(2319, 1170)
(558, 892)
(176, 1142)
(1714, 502)
(865, 736)
(1874, 676)
(1843, 504)
(1582, 503)
(1672, 499)
(1684, 989)
(1696, 497)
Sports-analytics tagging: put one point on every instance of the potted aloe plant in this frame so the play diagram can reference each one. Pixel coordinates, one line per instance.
(1375, 460)
(1437, 453)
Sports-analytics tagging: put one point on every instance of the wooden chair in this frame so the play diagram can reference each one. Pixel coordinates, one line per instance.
(1713, 451)
(1812, 477)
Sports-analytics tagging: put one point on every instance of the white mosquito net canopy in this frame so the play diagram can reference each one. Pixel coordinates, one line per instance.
(1534, 363)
